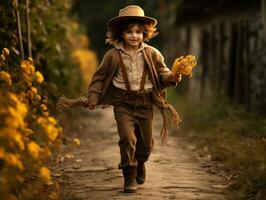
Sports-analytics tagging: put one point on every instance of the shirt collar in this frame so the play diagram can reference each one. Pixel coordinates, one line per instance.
(120, 46)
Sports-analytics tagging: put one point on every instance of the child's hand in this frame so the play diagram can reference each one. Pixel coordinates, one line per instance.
(175, 78)
(178, 77)
(90, 105)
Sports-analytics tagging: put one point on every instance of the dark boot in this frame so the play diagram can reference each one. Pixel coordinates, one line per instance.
(141, 173)
(129, 173)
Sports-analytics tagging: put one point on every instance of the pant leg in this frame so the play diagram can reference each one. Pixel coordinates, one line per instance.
(127, 142)
(143, 132)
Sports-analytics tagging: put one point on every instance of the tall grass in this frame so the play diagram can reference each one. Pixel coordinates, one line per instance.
(236, 139)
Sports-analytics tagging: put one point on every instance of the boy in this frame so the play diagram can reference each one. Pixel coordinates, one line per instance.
(132, 77)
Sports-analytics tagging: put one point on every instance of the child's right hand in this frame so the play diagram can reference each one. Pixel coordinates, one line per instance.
(90, 105)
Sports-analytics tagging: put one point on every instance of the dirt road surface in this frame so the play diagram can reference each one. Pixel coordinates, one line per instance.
(89, 171)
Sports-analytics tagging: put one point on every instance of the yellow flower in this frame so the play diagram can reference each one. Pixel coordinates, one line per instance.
(27, 67)
(19, 111)
(48, 125)
(14, 160)
(29, 83)
(22, 109)
(13, 122)
(43, 107)
(5, 52)
(6, 77)
(39, 77)
(45, 114)
(34, 90)
(30, 95)
(41, 121)
(13, 97)
(52, 120)
(12, 134)
(2, 57)
(34, 149)
(22, 95)
(76, 141)
(17, 137)
(45, 174)
(30, 59)
(2, 153)
(38, 98)
(14, 119)
(28, 132)
(52, 132)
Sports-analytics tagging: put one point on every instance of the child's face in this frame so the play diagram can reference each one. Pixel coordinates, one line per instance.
(133, 36)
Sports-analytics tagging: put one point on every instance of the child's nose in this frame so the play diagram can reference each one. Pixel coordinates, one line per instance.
(134, 34)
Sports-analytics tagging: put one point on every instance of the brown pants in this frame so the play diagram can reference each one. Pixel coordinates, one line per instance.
(133, 113)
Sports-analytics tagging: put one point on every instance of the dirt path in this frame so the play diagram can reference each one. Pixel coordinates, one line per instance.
(90, 171)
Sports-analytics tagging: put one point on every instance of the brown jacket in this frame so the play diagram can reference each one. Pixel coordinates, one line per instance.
(101, 88)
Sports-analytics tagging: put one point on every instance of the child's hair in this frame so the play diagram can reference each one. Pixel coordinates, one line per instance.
(114, 33)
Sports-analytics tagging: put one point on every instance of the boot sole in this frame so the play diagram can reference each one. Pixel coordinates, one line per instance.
(130, 191)
(140, 181)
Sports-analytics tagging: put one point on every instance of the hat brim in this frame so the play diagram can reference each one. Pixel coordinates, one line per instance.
(117, 20)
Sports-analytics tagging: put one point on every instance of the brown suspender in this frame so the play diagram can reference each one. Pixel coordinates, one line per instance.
(125, 77)
(143, 79)
(124, 73)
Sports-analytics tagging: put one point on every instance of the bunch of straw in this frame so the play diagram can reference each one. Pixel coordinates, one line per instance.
(64, 102)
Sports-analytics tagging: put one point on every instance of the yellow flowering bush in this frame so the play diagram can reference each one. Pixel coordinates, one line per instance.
(28, 132)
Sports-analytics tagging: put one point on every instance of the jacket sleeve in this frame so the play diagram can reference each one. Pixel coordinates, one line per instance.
(97, 82)
(166, 76)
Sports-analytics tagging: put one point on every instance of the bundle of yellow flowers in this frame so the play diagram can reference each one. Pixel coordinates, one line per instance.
(184, 65)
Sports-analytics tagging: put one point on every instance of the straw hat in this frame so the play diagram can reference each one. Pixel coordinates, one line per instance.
(131, 12)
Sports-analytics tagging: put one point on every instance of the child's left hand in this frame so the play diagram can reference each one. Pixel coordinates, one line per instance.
(178, 77)
(175, 78)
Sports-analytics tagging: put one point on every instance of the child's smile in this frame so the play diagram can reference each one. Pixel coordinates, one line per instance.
(133, 37)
